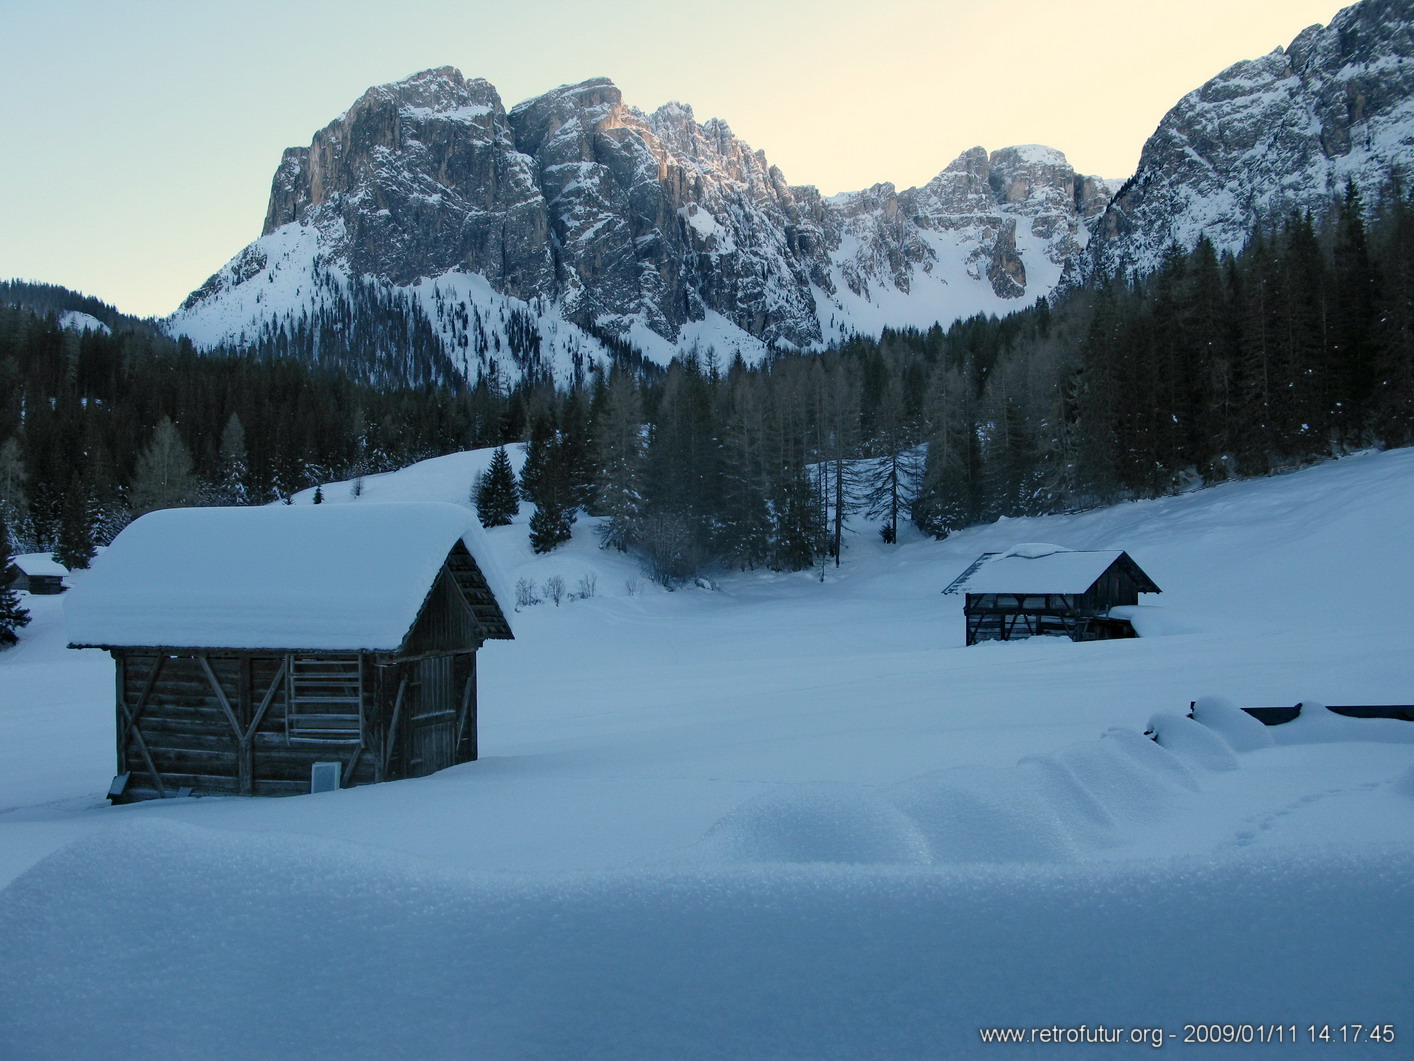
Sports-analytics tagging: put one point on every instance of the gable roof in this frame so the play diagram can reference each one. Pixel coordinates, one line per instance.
(37, 565)
(340, 578)
(1032, 569)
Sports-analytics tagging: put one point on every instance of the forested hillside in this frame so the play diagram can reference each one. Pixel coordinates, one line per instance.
(1299, 348)
(96, 428)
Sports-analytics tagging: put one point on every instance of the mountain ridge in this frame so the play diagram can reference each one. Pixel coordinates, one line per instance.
(1267, 136)
(527, 242)
(595, 217)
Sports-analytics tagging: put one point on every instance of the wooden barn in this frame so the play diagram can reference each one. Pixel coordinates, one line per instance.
(1033, 590)
(272, 651)
(37, 573)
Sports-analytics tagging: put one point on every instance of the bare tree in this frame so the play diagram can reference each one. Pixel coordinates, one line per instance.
(164, 478)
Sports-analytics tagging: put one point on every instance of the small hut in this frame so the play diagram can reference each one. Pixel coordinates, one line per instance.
(269, 651)
(37, 573)
(1032, 590)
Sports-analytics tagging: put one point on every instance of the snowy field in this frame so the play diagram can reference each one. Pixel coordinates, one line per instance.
(781, 818)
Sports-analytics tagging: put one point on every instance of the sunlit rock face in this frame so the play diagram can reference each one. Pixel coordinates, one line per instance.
(654, 227)
(1268, 136)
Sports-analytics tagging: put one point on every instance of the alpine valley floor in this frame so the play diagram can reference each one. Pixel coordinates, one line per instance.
(780, 817)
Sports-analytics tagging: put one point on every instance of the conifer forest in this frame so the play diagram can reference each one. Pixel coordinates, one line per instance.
(1299, 348)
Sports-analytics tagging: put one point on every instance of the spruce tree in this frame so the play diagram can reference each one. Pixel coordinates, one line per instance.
(750, 453)
(550, 526)
(547, 481)
(234, 470)
(497, 492)
(947, 489)
(890, 482)
(618, 459)
(683, 475)
(1353, 318)
(12, 615)
(76, 546)
(1392, 354)
(798, 535)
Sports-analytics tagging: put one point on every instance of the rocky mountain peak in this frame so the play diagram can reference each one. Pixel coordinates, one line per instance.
(1267, 136)
(650, 225)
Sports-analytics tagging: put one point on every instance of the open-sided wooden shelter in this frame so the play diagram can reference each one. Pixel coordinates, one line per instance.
(36, 573)
(1034, 590)
(253, 643)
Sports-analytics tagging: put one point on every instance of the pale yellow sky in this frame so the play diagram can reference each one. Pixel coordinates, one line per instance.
(139, 139)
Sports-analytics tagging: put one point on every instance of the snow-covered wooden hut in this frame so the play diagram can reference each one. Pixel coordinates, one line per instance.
(253, 643)
(37, 573)
(1036, 589)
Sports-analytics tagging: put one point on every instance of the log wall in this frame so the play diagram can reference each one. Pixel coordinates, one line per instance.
(217, 724)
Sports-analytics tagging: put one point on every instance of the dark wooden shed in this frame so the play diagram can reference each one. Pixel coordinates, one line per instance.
(37, 573)
(269, 651)
(1032, 590)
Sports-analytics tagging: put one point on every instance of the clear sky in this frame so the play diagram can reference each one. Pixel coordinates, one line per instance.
(138, 138)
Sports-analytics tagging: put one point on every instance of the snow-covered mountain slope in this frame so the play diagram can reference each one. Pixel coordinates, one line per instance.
(788, 818)
(512, 242)
(1265, 137)
(575, 207)
(76, 321)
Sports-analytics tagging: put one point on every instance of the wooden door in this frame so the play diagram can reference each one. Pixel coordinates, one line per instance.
(432, 717)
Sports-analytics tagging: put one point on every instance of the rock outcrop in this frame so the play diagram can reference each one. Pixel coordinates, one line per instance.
(654, 227)
(1267, 136)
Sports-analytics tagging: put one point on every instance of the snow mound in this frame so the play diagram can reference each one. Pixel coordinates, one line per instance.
(1405, 785)
(1129, 788)
(1045, 809)
(986, 816)
(1151, 620)
(1242, 732)
(1161, 762)
(1317, 724)
(817, 825)
(1192, 741)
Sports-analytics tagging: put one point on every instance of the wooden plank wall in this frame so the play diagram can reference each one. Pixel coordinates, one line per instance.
(172, 720)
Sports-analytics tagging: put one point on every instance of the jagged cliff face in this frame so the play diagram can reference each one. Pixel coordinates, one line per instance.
(586, 211)
(658, 219)
(1280, 133)
(418, 178)
(585, 216)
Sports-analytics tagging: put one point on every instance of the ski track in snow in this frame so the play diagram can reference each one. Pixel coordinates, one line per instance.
(790, 818)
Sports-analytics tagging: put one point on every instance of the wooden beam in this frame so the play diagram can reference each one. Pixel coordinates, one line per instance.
(393, 725)
(133, 730)
(467, 712)
(244, 782)
(120, 679)
(142, 696)
(353, 762)
(221, 697)
(266, 702)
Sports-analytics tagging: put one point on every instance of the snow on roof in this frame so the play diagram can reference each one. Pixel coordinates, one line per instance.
(328, 577)
(37, 564)
(1022, 570)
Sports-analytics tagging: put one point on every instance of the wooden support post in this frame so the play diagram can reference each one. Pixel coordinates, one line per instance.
(466, 713)
(389, 744)
(120, 679)
(130, 728)
(245, 695)
(472, 710)
(243, 759)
